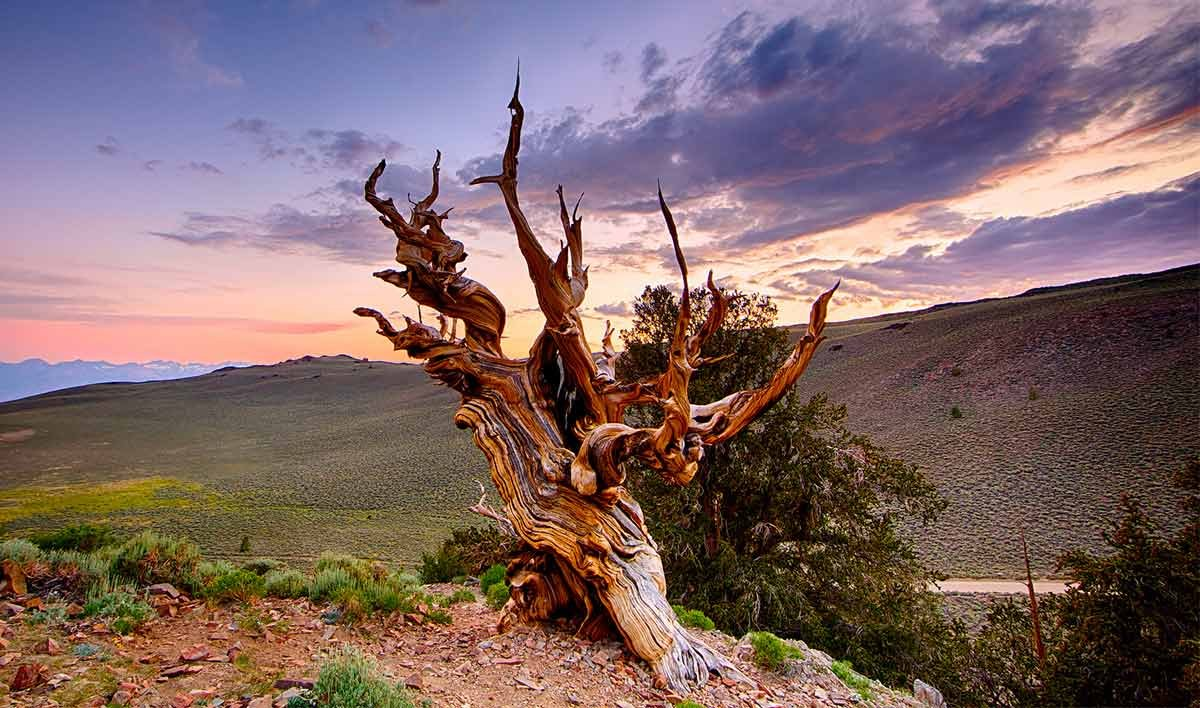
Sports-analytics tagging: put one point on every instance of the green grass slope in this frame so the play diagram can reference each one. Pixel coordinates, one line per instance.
(1115, 370)
(310, 454)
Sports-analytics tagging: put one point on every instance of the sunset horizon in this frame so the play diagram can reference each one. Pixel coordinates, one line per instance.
(207, 206)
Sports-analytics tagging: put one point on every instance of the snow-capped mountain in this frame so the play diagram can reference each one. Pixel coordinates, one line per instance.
(34, 376)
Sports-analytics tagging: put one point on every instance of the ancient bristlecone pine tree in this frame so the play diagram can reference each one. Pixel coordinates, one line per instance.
(552, 428)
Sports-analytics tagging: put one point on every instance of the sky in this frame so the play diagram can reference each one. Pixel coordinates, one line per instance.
(183, 180)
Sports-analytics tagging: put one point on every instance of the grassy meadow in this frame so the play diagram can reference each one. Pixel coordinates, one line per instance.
(1066, 398)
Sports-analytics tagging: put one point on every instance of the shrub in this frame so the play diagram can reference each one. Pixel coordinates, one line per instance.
(771, 652)
(491, 576)
(403, 579)
(693, 618)
(209, 571)
(1033, 394)
(460, 595)
(441, 566)
(285, 584)
(955, 412)
(350, 680)
(956, 371)
(361, 570)
(352, 603)
(244, 546)
(327, 582)
(387, 598)
(50, 616)
(149, 558)
(121, 609)
(240, 585)
(77, 537)
(87, 651)
(262, 566)
(80, 571)
(19, 550)
(845, 671)
(439, 617)
(497, 595)
(479, 548)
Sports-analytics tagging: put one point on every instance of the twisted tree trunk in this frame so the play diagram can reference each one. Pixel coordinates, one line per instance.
(551, 425)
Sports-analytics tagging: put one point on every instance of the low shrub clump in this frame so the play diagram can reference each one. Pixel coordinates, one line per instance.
(326, 583)
(286, 584)
(149, 558)
(19, 550)
(350, 680)
(491, 576)
(121, 609)
(442, 566)
(357, 568)
(771, 652)
(845, 671)
(80, 570)
(497, 595)
(693, 618)
(460, 595)
(240, 585)
(479, 548)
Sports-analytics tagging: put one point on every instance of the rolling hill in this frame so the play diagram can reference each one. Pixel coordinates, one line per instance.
(1069, 397)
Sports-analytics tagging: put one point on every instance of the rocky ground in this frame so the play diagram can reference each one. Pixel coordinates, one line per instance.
(258, 655)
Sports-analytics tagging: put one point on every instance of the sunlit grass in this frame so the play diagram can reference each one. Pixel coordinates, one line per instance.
(99, 499)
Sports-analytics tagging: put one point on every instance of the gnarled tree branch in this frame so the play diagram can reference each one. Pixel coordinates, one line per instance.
(552, 428)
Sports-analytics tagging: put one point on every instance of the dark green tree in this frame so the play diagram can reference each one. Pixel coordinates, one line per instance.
(1127, 631)
(793, 525)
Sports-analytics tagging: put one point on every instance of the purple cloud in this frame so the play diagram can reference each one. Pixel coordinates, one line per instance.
(1161, 228)
(811, 127)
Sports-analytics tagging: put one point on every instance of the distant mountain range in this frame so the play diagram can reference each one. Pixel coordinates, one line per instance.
(34, 376)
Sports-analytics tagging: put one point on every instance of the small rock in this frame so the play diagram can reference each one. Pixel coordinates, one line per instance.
(198, 652)
(11, 610)
(179, 670)
(14, 578)
(74, 610)
(121, 698)
(49, 647)
(182, 700)
(529, 683)
(284, 684)
(164, 589)
(928, 695)
(260, 702)
(29, 676)
(415, 682)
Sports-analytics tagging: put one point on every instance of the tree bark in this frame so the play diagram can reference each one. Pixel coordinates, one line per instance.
(551, 425)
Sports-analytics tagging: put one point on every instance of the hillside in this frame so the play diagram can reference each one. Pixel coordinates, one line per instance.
(342, 454)
(1070, 397)
(302, 456)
